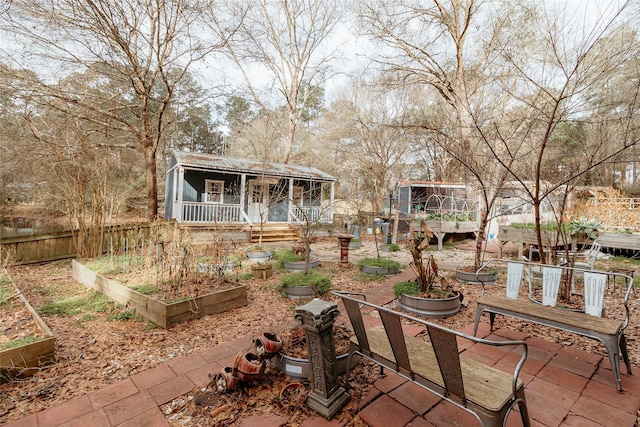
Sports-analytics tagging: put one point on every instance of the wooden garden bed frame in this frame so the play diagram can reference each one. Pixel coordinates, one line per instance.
(25, 360)
(161, 313)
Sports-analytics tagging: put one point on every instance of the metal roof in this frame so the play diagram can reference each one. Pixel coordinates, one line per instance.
(231, 164)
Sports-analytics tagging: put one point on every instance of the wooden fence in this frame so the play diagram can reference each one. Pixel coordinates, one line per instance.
(53, 246)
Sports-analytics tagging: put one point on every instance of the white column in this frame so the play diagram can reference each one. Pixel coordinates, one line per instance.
(331, 209)
(243, 192)
(180, 182)
(290, 200)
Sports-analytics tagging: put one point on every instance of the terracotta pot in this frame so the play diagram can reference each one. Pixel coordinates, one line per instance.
(226, 381)
(248, 367)
(267, 345)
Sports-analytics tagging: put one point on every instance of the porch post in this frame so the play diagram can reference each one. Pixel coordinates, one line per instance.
(331, 205)
(180, 192)
(290, 200)
(243, 190)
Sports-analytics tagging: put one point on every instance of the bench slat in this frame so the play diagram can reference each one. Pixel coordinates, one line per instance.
(567, 317)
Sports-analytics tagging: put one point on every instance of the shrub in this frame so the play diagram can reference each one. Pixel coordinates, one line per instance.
(320, 282)
(392, 247)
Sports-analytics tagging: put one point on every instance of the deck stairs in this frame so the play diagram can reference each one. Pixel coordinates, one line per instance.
(274, 233)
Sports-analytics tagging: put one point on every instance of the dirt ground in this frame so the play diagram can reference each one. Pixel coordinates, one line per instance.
(95, 350)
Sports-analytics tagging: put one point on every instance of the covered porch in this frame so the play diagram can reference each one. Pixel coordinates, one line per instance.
(215, 190)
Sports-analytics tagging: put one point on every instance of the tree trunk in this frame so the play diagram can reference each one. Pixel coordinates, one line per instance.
(151, 181)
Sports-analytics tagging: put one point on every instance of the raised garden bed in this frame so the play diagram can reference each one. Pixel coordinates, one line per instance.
(164, 314)
(26, 342)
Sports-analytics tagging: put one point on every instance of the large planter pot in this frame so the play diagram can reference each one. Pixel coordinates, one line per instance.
(263, 271)
(259, 256)
(431, 307)
(301, 265)
(385, 271)
(482, 278)
(296, 292)
(300, 369)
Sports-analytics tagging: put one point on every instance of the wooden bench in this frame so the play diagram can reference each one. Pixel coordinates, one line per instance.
(587, 323)
(437, 364)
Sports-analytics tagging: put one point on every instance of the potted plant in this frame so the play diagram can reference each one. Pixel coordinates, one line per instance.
(305, 284)
(259, 253)
(429, 295)
(290, 260)
(383, 266)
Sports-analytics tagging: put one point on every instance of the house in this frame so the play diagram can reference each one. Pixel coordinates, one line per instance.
(205, 189)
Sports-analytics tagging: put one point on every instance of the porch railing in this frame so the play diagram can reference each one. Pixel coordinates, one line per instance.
(321, 214)
(193, 212)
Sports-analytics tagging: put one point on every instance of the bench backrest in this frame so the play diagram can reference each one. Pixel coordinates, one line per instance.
(594, 286)
(444, 343)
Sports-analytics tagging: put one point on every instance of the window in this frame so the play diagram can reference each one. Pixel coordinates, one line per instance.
(256, 193)
(213, 191)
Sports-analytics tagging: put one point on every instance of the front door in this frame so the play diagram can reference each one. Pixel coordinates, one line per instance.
(258, 198)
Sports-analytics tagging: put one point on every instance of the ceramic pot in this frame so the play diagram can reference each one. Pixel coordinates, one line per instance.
(225, 380)
(248, 367)
(267, 345)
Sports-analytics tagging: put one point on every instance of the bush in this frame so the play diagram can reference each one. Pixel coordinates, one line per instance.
(392, 247)
(320, 282)
(406, 288)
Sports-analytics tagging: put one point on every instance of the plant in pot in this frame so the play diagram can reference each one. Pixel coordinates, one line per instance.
(429, 295)
(305, 284)
(259, 253)
(382, 266)
(294, 261)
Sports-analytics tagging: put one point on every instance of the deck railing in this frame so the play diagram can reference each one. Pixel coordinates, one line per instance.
(195, 212)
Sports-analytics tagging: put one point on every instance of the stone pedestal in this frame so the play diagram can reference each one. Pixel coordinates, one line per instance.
(326, 396)
(344, 239)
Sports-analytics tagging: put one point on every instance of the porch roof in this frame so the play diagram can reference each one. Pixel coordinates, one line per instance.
(230, 164)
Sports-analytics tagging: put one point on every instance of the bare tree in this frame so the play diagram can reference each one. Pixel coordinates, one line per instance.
(427, 44)
(555, 85)
(287, 40)
(147, 46)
